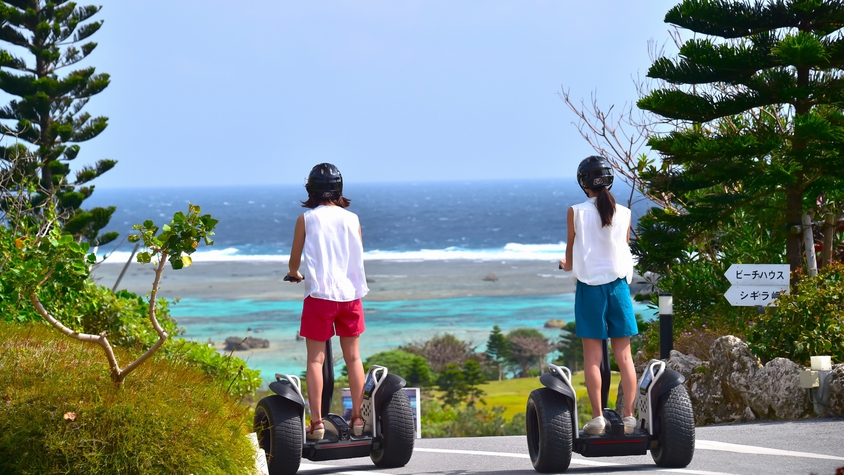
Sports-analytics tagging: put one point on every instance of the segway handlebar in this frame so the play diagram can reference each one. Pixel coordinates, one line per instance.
(290, 278)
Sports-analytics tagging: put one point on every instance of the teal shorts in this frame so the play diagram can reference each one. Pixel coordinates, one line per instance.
(602, 311)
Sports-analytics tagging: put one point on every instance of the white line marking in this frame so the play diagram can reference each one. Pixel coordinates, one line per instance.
(574, 461)
(313, 466)
(699, 444)
(750, 449)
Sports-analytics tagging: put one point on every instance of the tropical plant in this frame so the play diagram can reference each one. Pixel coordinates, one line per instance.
(47, 109)
(755, 103)
(804, 323)
(49, 263)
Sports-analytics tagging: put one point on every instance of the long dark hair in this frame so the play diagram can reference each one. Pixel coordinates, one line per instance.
(314, 201)
(605, 203)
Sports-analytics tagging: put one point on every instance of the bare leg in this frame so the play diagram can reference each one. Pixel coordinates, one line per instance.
(593, 353)
(316, 358)
(354, 366)
(624, 360)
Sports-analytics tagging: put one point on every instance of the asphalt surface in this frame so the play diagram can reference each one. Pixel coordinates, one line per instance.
(814, 446)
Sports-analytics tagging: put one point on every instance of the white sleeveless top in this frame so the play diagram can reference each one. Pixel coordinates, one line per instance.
(600, 255)
(333, 255)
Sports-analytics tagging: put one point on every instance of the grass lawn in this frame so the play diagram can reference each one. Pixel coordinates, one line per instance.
(513, 393)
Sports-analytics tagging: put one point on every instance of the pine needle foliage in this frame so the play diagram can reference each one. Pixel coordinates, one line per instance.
(755, 100)
(47, 109)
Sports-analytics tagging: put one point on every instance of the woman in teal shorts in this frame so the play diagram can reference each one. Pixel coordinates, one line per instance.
(598, 255)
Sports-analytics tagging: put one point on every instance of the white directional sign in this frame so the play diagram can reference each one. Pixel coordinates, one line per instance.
(756, 284)
(754, 295)
(758, 274)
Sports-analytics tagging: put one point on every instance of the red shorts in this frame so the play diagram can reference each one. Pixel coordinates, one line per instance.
(321, 317)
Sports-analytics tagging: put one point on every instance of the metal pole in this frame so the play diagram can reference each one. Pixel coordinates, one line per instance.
(327, 379)
(605, 376)
(666, 325)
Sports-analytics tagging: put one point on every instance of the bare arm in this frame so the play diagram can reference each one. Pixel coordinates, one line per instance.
(296, 249)
(566, 263)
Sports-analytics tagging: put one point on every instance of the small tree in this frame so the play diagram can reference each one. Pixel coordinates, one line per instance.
(473, 377)
(52, 258)
(528, 349)
(451, 381)
(441, 350)
(497, 350)
(570, 347)
(48, 110)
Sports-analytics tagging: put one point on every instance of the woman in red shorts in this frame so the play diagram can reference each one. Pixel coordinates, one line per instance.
(327, 242)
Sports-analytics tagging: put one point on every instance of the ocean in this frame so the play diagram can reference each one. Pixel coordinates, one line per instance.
(505, 220)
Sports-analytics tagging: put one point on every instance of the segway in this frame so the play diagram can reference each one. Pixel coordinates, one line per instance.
(665, 421)
(389, 428)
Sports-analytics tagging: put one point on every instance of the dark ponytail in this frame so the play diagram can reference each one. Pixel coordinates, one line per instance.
(605, 203)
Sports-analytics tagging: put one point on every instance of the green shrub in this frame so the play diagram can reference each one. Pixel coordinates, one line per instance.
(227, 370)
(448, 421)
(86, 307)
(805, 323)
(61, 413)
(413, 368)
(700, 309)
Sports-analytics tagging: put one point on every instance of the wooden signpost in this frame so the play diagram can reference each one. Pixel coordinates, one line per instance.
(756, 284)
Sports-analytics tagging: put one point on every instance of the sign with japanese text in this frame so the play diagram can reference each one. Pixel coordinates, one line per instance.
(758, 274)
(754, 295)
(756, 284)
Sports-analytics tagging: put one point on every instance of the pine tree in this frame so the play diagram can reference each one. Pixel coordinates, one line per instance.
(48, 110)
(473, 377)
(756, 101)
(497, 350)
(570, 347)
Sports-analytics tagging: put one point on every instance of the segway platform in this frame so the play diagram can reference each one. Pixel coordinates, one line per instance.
(389, 429)
(665, 421)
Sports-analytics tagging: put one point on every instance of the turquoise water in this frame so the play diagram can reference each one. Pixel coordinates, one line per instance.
(389, 324)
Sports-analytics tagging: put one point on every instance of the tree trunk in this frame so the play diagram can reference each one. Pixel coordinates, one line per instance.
(828, 236)
(794, 218)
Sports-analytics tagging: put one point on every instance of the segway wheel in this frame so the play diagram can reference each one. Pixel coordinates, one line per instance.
(398, 433)
(676, 430)
(278, 423)
(549, 431)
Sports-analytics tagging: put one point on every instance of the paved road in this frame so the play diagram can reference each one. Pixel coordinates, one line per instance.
(805, 447)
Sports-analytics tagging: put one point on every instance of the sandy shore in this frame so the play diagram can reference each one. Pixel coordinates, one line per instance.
(388, 280)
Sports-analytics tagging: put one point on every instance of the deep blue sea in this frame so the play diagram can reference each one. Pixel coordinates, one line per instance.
(480, 220)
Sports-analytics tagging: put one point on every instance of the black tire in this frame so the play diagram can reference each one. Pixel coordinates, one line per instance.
(549, 431)
(398, 433)
(676, 445)
(278, 423)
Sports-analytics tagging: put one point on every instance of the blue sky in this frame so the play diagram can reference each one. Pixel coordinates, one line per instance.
(257, 92)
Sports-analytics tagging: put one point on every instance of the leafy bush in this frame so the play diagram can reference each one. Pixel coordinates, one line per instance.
(698, 288)
(86, 307)
(448, 421)
(60, 412)
(805, 323)
(413, 368)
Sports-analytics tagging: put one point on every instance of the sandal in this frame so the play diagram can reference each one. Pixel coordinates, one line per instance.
(315, 431)
(358, 425)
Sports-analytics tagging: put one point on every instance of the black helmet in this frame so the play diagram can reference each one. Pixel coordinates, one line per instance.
(325, 182)
(594, 172)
